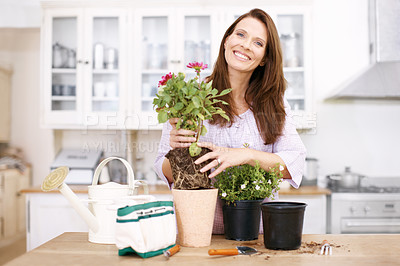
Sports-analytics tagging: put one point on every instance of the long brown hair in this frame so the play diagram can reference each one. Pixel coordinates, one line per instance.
(266, 86)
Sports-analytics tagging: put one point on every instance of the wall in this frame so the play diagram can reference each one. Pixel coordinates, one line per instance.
(360, 134)
(20, 49)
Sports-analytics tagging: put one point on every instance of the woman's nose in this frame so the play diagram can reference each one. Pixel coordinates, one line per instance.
(246, 43)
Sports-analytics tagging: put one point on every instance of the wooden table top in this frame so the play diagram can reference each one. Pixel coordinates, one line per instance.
(164, 189)
(74, 249)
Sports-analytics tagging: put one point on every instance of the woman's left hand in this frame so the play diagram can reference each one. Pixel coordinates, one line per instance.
(222, 157)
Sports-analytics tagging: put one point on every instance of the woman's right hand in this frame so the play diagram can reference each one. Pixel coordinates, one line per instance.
(180, 138)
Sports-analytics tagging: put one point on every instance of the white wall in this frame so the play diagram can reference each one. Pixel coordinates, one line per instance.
(20, 13)
(360, 134)
(20, 49)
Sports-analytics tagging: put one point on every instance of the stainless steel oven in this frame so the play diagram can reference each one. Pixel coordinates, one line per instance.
(372, 208)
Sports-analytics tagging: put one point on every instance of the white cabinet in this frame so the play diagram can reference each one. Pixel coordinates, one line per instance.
(12, 202)
(5, 92)
(169, 40)
(49, 215)
(84, 63)
(150, 40)
(315, 212)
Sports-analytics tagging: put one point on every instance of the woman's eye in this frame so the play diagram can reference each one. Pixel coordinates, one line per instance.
(240, 34)
(259, 44)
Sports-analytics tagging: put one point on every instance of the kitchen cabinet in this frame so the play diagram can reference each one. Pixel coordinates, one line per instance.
(315, 212)
(5, 99)
(169, 39)
(84, 66)
(12, 202)
(150, 41)
(50, 214)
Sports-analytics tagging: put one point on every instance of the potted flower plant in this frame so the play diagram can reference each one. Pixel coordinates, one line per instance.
(191, 101)
(243, 188)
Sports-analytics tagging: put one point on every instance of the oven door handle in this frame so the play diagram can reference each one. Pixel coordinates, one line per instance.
(357, 224)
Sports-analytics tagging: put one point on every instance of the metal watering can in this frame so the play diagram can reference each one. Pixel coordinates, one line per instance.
(104, 200)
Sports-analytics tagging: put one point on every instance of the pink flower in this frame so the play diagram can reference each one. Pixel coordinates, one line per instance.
(164, 79)
(197, 66)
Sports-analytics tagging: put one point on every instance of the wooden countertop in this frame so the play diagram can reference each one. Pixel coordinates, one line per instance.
(164, 189)
(74, 249)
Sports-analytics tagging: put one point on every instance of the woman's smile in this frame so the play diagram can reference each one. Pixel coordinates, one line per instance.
(241, 56)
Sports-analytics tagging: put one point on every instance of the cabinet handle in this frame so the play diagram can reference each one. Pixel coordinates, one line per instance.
(86, 62)
(175, 61)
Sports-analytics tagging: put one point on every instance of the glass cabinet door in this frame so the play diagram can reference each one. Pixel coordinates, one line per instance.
(197, 43)
(105, 45)
(63, 64)
(291, 34)
(154, 57)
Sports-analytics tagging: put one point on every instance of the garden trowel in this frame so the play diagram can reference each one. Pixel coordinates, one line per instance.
(234, 251)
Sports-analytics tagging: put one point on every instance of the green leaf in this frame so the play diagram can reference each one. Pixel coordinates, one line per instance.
(201, 116)
(214, 92)
(208, 85)
(188, 109)
(192, 90)
(203, 131)
(194, 150)
(226, 91)
(196, 101)
(178, 106)
(225, 116)
(162, 117)
(185, 90)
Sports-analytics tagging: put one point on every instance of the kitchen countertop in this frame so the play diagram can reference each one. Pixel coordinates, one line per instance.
(350, 249)
(163, 189)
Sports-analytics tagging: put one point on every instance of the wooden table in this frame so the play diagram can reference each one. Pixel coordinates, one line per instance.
(74, 249)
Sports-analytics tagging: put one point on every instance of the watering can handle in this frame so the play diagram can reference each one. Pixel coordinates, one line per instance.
(131, 175)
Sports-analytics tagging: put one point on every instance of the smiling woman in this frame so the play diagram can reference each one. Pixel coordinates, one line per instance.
(250, 63)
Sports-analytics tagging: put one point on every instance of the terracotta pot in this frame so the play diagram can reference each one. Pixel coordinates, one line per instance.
(194, 211)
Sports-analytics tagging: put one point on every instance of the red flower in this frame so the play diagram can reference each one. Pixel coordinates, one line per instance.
(197, 66)
(164, 79)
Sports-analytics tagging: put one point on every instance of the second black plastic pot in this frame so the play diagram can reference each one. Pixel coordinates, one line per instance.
(283, 224)
(242, 220)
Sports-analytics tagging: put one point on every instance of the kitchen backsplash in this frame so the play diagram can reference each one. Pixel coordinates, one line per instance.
(138, 146)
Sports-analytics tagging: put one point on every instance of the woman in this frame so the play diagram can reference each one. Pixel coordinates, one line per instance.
(249, 62)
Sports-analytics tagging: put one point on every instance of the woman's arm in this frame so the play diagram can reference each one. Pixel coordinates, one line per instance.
(229, 157)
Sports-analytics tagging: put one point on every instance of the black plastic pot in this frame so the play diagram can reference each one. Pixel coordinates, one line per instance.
(242, 220)
(283, 224)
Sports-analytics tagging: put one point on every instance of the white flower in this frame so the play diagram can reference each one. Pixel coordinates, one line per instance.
(269, 181)
(281, 168)
(254, 182)
(223, 195)
(243, 186)
(257, 187)
(260, 181)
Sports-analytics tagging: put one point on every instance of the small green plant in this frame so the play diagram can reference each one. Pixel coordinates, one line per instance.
(191, 101)
(246, 182)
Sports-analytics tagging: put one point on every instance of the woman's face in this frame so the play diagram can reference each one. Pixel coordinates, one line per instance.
(245, 47)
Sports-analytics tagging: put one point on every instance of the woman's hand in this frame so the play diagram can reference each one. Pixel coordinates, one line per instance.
(222, 158)
(180, 138)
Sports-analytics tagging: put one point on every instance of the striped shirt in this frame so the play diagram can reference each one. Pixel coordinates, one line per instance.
(244, 130)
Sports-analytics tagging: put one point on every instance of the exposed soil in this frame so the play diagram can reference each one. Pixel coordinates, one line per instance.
(186, 173)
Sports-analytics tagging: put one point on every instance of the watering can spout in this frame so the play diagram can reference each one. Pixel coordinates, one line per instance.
(55, 180)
